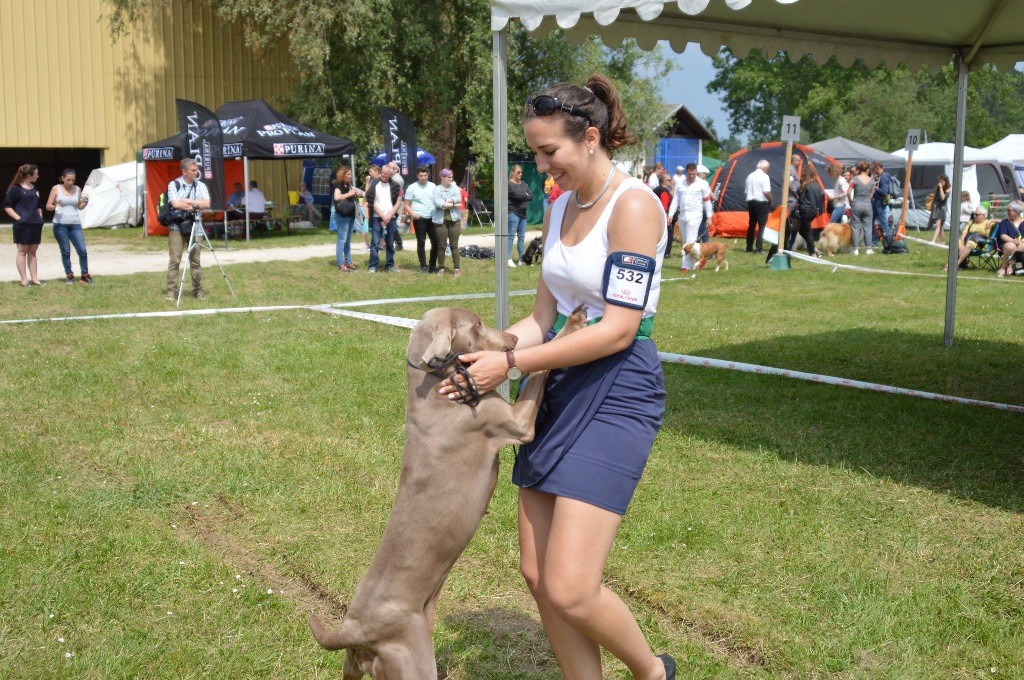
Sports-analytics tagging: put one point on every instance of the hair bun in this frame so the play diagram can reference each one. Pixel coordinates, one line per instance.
(617, 135)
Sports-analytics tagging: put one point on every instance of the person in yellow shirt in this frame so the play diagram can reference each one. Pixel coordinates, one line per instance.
(549, 182)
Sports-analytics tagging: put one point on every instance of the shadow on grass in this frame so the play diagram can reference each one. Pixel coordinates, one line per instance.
(495, 643)
(969, 452)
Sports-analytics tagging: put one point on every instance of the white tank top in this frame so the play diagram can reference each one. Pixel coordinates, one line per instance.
(67, 207)
(575, 275)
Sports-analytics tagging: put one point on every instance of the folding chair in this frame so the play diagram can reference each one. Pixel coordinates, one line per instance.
(480, 212)
(985, 255)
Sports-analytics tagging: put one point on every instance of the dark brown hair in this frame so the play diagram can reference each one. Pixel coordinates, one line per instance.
(23, 172)
(807, 175)
(600, 102)
(862, 167)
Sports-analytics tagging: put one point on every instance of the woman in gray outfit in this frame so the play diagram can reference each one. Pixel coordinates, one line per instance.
(861, 188)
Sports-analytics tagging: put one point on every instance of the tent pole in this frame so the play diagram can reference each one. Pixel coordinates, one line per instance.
(499, 61)
(954, 200)
(245, 187)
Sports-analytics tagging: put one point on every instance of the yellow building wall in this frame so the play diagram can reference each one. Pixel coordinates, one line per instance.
(67, 83)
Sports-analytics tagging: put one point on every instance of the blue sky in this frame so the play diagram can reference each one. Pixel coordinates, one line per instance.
(688, 84)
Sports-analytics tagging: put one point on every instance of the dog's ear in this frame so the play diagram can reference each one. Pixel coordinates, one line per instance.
(440, 345)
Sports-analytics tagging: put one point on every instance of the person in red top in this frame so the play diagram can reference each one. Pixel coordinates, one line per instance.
(556, 191)
(664, 194)
(463, 205)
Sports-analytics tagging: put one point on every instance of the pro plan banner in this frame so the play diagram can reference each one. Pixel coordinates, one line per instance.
(399, 141)
(202, 140)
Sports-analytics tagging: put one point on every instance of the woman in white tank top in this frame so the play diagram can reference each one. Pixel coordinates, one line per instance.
(605, 396)
(65, 201)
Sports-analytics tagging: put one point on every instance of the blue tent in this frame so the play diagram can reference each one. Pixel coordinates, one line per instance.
(422, 158)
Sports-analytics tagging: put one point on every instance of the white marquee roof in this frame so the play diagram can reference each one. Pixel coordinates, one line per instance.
(920, 33)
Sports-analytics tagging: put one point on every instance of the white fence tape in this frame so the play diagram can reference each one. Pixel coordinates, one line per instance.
(852, 267)
(925, 243)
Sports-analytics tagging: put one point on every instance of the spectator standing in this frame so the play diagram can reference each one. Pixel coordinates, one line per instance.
(447, 223)
(186, 193)
(880, 200)
(22, 205)
(692, 198)
(654, 179)
(464, 206)
(343, 211)
(937, 218)
(702, 230)
(966, 209)
(419, 206)
(840, 199)
(65, 200)
(548, 183)
(519, 197)
(861, 188)
(678, 178)
(385, 199)
(401, 225)
(372, 175)
(556, 191)
(759, 201)
(664, 193)
(810, 202)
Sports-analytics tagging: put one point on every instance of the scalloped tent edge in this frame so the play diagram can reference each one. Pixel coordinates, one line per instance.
(970, 34)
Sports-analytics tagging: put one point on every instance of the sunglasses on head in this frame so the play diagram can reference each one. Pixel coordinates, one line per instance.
(545, 105)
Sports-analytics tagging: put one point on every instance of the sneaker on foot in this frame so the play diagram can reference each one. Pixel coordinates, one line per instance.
(869, 252)
(511, 264)
(85, 279)
(171, 295)
(440, 272)
(352, 267)
(392, 270)
(372, 270)
(69, 278)
(457, 272)
(424, 270)
(856, 251)
(198, 294)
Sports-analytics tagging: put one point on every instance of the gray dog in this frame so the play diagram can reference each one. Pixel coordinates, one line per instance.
(449, 469)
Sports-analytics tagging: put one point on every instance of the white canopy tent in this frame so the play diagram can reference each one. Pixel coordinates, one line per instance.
(1009, 149)
(115, 197)
(971, 33)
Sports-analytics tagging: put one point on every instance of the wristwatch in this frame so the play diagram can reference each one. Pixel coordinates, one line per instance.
(513, 372)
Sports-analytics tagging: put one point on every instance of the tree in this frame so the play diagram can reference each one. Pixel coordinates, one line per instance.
(428, 58)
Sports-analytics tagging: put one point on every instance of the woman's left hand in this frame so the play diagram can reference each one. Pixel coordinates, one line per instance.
(487, 370)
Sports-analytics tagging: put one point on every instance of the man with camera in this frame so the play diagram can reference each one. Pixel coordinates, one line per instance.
(186, 195)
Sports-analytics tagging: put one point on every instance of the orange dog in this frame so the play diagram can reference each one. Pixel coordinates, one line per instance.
(705, 251)
(835, 238)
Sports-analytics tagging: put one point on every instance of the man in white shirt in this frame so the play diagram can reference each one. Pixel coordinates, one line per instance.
(403, 227)
(692, 198)
(190, 194)
(419, 205)
(759, 201)
(255, 201)
(654, 179)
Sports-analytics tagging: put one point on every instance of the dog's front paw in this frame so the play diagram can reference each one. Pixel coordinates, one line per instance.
(576, 320)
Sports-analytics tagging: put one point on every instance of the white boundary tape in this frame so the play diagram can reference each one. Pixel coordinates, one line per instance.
(664, 356)
(925, 243)
(855, 268)
(667, 357)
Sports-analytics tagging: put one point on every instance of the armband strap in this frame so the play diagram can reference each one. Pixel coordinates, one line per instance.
(642, 333)
(628, 278)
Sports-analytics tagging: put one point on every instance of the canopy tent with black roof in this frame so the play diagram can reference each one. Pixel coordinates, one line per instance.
(253, 130)
(849, 152)
(970, 35)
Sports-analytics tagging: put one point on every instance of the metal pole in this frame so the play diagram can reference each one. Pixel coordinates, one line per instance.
(245, 188)
(954, 198)
(499, 62)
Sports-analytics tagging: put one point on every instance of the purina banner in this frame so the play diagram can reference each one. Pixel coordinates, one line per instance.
(202, 140)
(399, 141)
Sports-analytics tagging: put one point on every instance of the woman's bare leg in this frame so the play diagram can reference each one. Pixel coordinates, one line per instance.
(19, 262)
(33, 263)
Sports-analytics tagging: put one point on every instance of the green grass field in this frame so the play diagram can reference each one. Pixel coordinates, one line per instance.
(179, 493)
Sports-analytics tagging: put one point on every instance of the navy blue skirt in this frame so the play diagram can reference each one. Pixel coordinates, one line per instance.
(596, 428)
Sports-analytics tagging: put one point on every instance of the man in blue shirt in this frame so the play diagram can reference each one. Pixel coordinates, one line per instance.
(419, 205)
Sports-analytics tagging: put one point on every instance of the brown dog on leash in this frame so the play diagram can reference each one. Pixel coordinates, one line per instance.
(835, 238)
(705, 251)
(449, 469)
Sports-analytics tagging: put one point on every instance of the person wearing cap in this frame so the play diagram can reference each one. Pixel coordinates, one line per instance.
(678, 178)
(973, 235)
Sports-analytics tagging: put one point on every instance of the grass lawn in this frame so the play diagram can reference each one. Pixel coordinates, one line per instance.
(179, 493)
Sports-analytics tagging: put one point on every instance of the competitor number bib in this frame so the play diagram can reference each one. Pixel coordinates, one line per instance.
(627, 279)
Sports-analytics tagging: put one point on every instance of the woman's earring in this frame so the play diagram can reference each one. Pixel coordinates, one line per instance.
(591, 151)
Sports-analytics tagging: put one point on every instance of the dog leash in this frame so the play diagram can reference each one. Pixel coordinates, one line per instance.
(469, 393)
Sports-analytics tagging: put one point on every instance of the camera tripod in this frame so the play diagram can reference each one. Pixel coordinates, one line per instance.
(199, 239)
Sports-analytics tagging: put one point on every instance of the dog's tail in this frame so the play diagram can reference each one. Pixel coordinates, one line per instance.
(331, 639)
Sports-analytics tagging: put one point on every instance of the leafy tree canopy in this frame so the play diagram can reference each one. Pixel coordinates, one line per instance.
(872, 106)
(428, 58)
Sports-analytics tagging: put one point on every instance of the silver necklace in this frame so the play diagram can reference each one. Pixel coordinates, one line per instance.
(584, 206)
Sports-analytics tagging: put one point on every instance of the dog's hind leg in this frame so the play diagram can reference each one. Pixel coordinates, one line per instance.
(409, 657)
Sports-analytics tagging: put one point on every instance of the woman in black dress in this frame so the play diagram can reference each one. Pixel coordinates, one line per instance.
(22, 205)
(937, 217)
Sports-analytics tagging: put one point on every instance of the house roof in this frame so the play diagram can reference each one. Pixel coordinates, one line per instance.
(679, 122)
